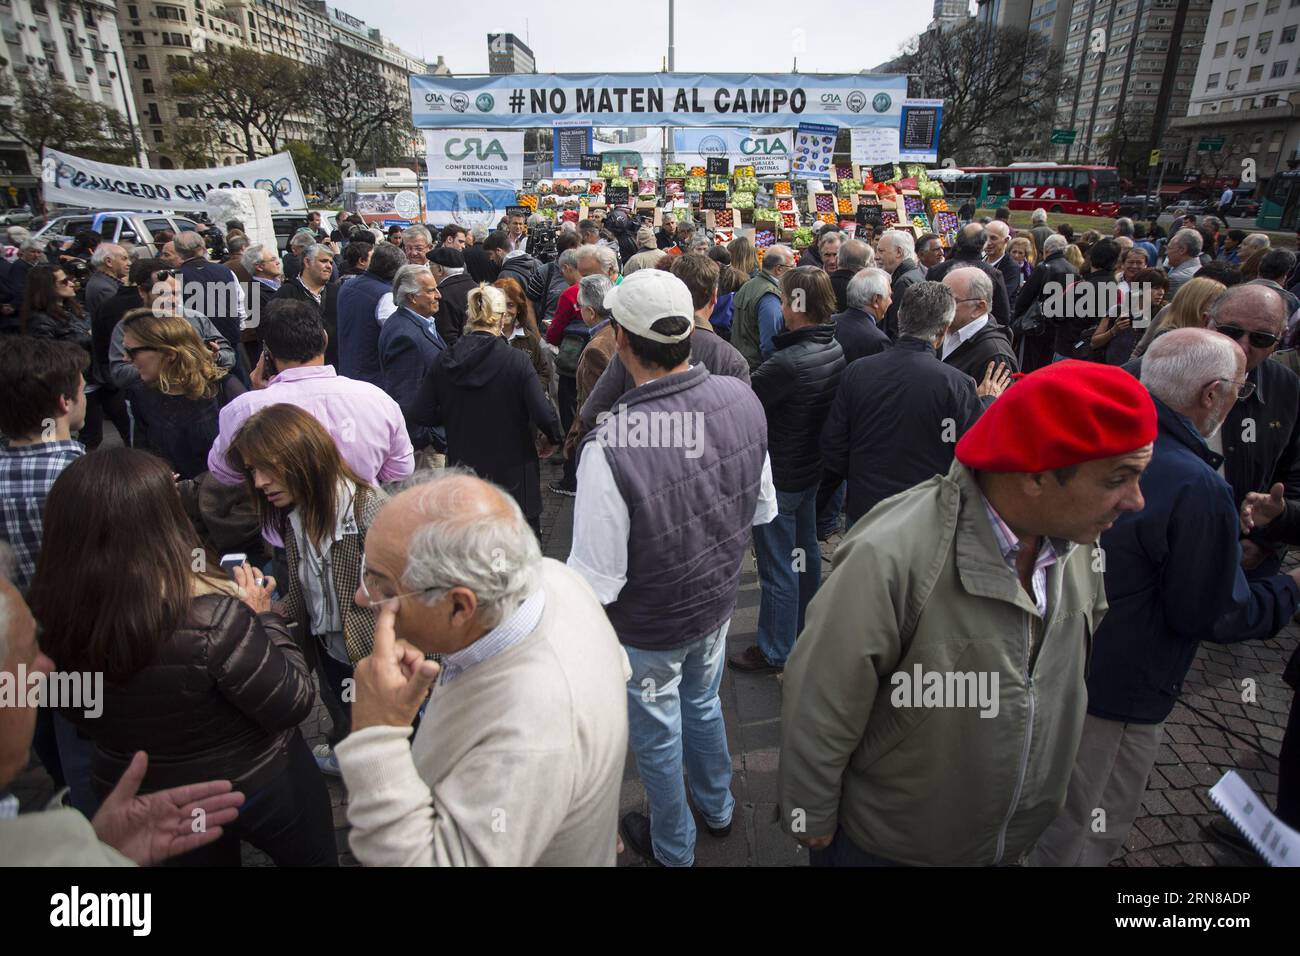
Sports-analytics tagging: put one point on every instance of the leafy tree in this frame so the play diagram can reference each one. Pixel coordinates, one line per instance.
(313, 168)
(361, 116)
(45, 112)
(999, 85)
(242, 94)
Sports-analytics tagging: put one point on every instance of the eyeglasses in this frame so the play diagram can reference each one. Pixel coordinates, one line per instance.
(1244, 389)
(131, 353)
(380, 602)
(960, 301)
(1261, 340)
(163, 275)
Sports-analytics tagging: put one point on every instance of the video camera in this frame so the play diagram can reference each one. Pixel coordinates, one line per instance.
(541, 242)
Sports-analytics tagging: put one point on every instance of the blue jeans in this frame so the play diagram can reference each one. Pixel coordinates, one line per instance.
(828, 515)
(674, 716)
(789, 571)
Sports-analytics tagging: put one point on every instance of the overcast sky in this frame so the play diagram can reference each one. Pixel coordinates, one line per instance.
(738, 36)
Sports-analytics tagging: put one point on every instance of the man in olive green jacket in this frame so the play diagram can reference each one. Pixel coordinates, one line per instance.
(933, 704)
(755, 316)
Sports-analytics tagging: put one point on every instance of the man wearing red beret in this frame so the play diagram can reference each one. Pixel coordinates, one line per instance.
(934, 702)
(1173, 579)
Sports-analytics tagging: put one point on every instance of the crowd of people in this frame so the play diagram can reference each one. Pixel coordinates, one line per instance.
(1052, 466)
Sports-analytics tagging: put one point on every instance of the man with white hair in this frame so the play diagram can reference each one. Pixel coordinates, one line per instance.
(111, 264)
(313, 286)
(213, 290)
(409, 344)
(1183, 253)
(897, 252)
(869, 298)
(827, 244)
(1173, 579)
(31, 252)
(447, 265)
(519, 756)
(756, 308)
(852, 256)
(974, 344)
(1040, 230)
(1049, 280)
(297, 245)
(1254, 242)
(885, 432)
(416, 243)
(479, 266)
(997, 238)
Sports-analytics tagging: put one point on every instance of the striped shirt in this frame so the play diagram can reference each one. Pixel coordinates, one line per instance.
(501, 638)
(1009, 545)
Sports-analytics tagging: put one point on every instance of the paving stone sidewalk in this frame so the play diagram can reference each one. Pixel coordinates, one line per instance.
(1210, 732)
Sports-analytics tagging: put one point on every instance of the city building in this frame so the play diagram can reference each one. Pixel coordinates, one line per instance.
(160, 40)
(1246, 96)
(509, 54)
(1133, 63)
(74, 42)
(949, 13)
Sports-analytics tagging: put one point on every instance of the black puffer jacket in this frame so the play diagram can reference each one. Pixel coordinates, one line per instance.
(221, 701)
(796, 386)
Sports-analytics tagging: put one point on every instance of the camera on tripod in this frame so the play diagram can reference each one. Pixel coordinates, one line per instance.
(541, 242)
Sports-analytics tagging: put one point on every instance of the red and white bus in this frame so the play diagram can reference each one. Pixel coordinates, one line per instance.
(1080, 190)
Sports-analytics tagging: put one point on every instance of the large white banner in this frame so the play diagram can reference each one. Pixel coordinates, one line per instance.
(476, 156)
(73, 181)
(649, 147)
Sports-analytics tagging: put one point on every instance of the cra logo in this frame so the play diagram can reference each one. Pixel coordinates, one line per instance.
(458, 148)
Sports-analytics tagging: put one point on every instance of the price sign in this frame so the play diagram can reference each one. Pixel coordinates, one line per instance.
(717, 165)
(518, 211)
(713, 199)
(616, 195)
(590, 162)
(869, 214)
(882, 173)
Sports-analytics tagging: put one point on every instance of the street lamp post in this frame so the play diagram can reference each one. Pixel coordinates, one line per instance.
(126, 104)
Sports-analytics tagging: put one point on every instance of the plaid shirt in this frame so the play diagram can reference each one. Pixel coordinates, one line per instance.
(26, 476)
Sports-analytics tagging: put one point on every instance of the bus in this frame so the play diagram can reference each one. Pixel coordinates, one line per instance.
(1076, 190)
(1280, 205)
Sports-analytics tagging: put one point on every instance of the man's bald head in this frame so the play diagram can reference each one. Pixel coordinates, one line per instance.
(1252, 308)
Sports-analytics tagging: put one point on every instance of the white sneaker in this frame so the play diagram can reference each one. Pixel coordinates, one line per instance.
(327, 760)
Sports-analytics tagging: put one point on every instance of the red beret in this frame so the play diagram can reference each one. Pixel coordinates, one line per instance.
(1061, 415)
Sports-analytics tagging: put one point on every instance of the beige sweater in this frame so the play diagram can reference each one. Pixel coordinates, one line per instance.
(54, 838)
(517, 762)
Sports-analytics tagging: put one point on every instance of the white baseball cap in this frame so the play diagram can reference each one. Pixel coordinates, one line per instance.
(645, 297)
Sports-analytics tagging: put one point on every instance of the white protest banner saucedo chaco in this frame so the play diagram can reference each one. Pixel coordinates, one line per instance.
(522, 100)
(476, 155)
(73, 181)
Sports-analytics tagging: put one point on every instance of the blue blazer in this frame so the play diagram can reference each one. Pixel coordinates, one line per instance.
(409, 344)
(1174, 579)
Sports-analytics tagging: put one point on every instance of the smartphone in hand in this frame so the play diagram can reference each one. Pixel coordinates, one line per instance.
(231, 561)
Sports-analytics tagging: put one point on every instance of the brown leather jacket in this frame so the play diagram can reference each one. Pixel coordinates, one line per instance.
(221, 701)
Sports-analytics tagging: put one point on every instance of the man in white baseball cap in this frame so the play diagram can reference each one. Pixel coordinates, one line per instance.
(669, 482)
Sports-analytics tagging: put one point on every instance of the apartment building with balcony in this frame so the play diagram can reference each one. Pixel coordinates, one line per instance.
(74, 42)
(1246, 91)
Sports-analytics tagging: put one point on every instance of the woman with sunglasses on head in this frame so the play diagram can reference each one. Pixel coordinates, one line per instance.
(519, 328)
(199, 671)
(488, 397)
(321, 509)
(176, 404)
